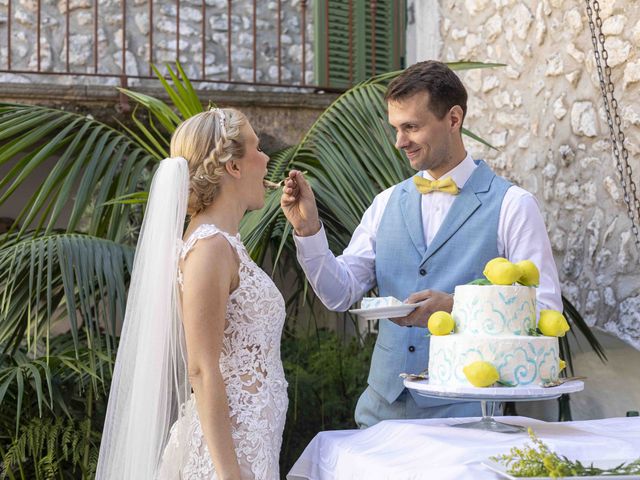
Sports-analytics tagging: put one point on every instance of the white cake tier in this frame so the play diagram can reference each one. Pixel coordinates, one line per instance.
(520, 360)
(494, 309)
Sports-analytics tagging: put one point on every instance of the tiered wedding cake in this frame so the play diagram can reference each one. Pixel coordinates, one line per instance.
(494, 323)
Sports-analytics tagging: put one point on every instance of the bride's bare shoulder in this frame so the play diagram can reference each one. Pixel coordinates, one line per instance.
(211, 259)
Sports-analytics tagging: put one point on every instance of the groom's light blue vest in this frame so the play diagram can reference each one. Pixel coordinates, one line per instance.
(465, 242)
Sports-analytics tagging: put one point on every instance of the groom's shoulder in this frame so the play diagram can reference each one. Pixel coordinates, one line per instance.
(382, 198)
(386, 194)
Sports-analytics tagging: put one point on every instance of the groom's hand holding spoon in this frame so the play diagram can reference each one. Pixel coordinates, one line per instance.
(299, 204)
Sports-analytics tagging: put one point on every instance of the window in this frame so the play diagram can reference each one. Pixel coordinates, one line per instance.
(355, 39)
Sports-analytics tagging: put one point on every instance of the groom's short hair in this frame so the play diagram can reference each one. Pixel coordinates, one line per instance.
(443, 86)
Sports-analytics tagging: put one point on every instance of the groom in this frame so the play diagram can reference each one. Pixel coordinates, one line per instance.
(418, 240)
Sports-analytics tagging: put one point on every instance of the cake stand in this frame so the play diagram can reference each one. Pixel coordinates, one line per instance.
(489, 397)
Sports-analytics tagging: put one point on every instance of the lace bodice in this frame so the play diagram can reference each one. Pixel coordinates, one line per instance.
(254, 378)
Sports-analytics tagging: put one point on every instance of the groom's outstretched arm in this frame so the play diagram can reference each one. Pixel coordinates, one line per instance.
(338, 282)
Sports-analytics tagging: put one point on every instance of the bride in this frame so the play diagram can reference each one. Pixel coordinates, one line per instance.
(198, 390)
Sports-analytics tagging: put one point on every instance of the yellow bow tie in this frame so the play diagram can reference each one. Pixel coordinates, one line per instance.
(446, 185)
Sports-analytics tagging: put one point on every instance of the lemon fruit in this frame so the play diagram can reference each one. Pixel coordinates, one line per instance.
(501, 271)
(561, 365)
(440, 323)
(552, 323)
(530, 274)
(481, 374)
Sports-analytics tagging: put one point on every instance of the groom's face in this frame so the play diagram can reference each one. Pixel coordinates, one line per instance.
(420, 134)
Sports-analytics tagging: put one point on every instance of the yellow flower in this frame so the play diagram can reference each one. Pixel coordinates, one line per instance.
(501, 271)
(440, 323)
(552, 323)
(561, 365)
(530, 274)
(481, 374)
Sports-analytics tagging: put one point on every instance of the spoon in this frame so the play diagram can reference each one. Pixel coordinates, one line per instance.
(273, 185)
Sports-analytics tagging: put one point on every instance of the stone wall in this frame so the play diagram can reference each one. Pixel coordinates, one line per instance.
(165, 23)
(544, 113)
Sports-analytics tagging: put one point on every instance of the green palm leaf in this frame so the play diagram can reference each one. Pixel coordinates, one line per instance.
(18, 369)
(87, 164)
(79, 278)
(577, 321)
(94, 179)
(42, 381)
(155, 131)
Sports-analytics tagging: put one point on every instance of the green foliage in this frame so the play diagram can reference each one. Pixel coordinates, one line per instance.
(62, 417)
(70, 271)
(42, 272)
(538, 460)
(72, 268)
(326, 376)
(50, 448)
(154, 132)
(93, 163)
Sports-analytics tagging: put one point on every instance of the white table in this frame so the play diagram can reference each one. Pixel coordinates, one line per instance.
(430, 449)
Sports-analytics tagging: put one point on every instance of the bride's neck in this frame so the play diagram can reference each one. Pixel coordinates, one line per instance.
(225, 213)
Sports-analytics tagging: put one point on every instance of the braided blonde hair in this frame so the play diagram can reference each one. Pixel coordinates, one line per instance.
(207, 141)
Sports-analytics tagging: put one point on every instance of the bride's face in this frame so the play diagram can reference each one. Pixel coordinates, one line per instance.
(254, 168)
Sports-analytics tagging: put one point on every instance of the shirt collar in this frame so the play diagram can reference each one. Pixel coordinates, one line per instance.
(460, 173)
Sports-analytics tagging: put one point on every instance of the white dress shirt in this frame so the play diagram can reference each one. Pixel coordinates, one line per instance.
(341, 281)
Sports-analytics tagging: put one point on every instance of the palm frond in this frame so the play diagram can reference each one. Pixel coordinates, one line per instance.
(30, 384)
(155, 131)
(45, 277)
(279, 163)
(96, 179)
(478, 139)
(576, 320)
(473, 65)
(18, 370)
(132, 198)
(86, 161)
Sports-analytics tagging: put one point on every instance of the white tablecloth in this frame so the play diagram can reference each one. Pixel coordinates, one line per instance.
(430, 449)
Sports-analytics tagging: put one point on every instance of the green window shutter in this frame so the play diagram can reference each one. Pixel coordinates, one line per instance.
(355, 39)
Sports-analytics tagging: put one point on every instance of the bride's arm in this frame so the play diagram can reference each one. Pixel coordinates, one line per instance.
(210, 272)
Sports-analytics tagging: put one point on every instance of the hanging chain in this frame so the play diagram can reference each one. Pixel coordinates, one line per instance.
(617, 139)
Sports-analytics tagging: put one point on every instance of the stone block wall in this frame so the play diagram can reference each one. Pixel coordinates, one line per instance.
(82, 40)
(544, 113)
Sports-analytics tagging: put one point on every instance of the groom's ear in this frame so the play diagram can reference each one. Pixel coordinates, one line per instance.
(456, 115)
(233, 168)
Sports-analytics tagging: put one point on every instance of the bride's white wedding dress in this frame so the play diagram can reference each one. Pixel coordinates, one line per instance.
(252, 370)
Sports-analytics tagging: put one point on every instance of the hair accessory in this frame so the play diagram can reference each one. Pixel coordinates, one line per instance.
(223, 120)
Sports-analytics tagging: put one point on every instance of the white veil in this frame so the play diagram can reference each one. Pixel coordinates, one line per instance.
(149, 381)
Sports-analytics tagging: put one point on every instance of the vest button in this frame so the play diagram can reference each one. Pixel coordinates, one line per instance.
(412, 348)
(423, 272)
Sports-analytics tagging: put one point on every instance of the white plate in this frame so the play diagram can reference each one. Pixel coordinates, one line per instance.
(513, 394)
(502, 470)
(393, 311)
